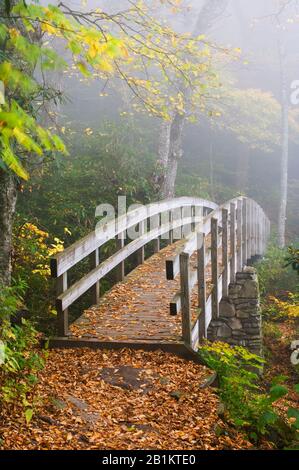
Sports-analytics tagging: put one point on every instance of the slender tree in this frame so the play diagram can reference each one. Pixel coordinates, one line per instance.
(284, 163)
(131, 45)
(170, 150)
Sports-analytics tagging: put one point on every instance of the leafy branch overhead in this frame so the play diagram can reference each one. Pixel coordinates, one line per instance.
(132, 46)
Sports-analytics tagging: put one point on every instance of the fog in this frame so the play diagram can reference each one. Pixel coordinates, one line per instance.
(261, 29)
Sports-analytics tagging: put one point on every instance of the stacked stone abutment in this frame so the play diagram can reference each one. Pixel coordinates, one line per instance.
(239, 321)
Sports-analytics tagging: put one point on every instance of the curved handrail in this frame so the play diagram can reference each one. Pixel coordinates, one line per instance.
(241, 229)
(190, 245)
(79, 288)
(211, 223)
(72, 255)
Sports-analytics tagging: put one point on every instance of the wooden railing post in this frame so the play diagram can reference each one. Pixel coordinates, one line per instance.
(185, 296)
(157, 240)
(244, 234)
(225, 281)
(261, 232)
(94, 262)
(202, 284)
(182, 218)
(170, 231)
(239, 235)
(253, 225)
(62, 315)
(140, 252)
(120, 269)
(193, 214)
(232, 242)
(259, 250)
(248, 229)
(254, 229)
(214, 263)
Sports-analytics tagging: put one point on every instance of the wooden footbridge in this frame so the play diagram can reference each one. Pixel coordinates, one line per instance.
(169, 299)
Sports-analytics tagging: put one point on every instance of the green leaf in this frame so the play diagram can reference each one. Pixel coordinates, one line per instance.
(293, 413)
(277, 392)
(296, 388)
(28, 415)
(280, 379)
(269, 417)
(83, 69)
(12, 162)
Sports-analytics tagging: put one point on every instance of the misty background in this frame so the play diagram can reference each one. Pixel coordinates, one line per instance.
(222, 156)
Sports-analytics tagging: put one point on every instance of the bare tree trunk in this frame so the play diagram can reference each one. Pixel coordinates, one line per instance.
(285, 154)
(172, 149)
(161, 165)
(8, 199)
(174, 155)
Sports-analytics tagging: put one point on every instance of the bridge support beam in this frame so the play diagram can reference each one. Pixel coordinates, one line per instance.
(239, 321)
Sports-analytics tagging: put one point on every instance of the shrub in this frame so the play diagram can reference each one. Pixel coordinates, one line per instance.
(271, 330)
(293, 258)
(247, 405)
(20, 361)
(275, 309)
(274, 275)
(33, 249)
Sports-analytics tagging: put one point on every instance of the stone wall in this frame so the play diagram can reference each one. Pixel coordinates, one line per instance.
(240, 320)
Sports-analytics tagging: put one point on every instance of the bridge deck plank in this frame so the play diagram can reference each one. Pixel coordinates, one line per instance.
(137, 309)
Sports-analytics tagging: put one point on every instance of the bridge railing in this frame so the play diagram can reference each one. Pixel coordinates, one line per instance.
(233, 233)
(90, 245)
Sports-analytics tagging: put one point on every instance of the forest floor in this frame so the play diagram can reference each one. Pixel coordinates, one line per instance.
(126, 400)
(277, 341)
(121, 400)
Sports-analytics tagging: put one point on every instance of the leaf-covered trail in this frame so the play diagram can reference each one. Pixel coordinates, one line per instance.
(120, 400)
(137, 309)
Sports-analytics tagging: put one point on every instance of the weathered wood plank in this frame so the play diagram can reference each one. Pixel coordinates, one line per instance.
(62, 313)
(120, 269)
(244, 232)
(157, 223)
(215, 269)
(170, 231)
(94, 262)
(176, 303)
(239, 235)
(225, 251)
(248, 229)
(173, 264)
(140, 252)
(232, 242)
(105, 232)
(202, 285)
(185, 296)
(255, 229)
(190, 246)
(80, 287)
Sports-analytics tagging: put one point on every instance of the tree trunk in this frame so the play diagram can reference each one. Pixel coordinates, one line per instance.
(174, 155)
(8, 198)
(163, 149)
(282, 216)
(172, 149)
(284, 175)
